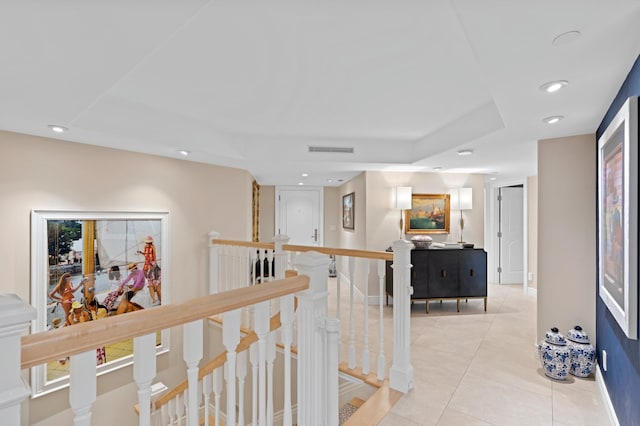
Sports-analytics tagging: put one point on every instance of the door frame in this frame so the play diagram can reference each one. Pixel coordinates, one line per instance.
(318, 189)
(492, 225)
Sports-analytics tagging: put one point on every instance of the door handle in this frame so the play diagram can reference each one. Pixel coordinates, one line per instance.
(315, 235)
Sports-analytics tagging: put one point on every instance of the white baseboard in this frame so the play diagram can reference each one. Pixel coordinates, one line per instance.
(606, 399)
(532, 291)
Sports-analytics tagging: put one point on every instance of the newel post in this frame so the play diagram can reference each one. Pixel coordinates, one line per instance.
(280, 256)
(401, 374)
(14, 320)
(214, 263)
(312, 312)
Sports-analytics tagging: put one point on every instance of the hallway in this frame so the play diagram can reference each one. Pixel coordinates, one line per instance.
(477, 368)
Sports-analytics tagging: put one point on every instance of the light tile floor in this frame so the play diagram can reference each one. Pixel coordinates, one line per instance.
(477, 368)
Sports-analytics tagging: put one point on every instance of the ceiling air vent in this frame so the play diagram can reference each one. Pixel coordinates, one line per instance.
(337, 149)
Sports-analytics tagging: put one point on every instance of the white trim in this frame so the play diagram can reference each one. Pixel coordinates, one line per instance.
(606, 399)
(344, 281)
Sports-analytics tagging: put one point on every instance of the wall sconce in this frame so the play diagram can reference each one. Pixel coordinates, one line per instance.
(461, 199)
(402, 201)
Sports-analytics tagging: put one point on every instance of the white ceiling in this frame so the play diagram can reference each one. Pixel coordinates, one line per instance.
(253, 84)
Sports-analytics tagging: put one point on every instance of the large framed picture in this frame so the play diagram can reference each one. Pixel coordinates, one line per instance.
(618, 218)
(348, 209)
(88, 266)
(429, 214)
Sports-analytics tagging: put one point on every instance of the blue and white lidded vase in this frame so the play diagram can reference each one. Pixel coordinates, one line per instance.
(583, 354)
(554, 355)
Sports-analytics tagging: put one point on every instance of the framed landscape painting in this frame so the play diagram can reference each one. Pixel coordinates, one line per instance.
(429, 214)
(88, 266)
(618, 217)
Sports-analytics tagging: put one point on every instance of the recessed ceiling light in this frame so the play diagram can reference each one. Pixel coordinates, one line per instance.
(305, 174)
(329, 180)
(554, 86)
(300, 183)
(493, 178)
(465, 152)
(58, 129)
(566, 38)
(437, 168)
(184, 152)
(553, 119)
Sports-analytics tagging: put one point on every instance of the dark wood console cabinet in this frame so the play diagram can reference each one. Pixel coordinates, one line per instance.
(439, 274)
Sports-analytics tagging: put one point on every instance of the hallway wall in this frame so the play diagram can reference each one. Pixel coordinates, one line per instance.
(42, 173)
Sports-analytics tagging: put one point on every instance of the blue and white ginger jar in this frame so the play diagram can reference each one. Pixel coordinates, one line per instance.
(554, 355)
(582, 353)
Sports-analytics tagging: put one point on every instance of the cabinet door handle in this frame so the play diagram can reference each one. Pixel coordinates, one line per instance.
(444, 273)
(472, 272)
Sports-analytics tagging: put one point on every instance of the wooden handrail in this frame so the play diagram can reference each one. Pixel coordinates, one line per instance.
(366, 254)
(267, 246)
(55, 344)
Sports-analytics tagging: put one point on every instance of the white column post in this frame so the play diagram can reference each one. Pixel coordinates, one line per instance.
(15, 315)
(144, 370)
(192, 354)
(230, 339)
(312, 311)
(333, 359)
(401, 374)
(214, 263)
(280, 256)
(262, 329)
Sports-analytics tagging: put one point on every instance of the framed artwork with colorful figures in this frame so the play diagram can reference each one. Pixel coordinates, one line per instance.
(89, 266)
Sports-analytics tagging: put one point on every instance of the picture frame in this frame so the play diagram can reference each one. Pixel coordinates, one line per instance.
(94, 253)
(429, 214)
(618, 218)
(348, 210)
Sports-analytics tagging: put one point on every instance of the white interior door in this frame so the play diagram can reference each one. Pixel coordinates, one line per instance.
(299, 215)
(511, 235)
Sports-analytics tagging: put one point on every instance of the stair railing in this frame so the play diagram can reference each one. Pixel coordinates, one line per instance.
(79, 343)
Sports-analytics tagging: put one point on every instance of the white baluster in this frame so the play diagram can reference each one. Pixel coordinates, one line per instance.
(144, 370)
(241, 372)
(207, 388)
(271, 272)
(82, 386)
(14, 320)
(165, 420)
(338, 287)
(365, 350)
(182, 406)
(287, 313)
(230, 339)
(333, 337)
(312, 310)
(381, 360)
(253, 359)
(173, 410)
(262, 328)
(271, 357)
(192, 354)
(401, 374)
(352, 340)
(217, 391)
(214, 263)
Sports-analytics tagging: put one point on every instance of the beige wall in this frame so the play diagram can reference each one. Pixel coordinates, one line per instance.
(354, 238)
(532, 229)
(383, 221)
(332, 216)
(566, 253)
(41, 173)
(267, 213)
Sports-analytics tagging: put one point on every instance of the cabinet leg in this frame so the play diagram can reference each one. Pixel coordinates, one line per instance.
(458, 304)
(426, 304)
(485, 304)
(387, 299)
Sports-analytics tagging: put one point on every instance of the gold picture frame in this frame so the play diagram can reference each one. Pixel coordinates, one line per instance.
(429, 214)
